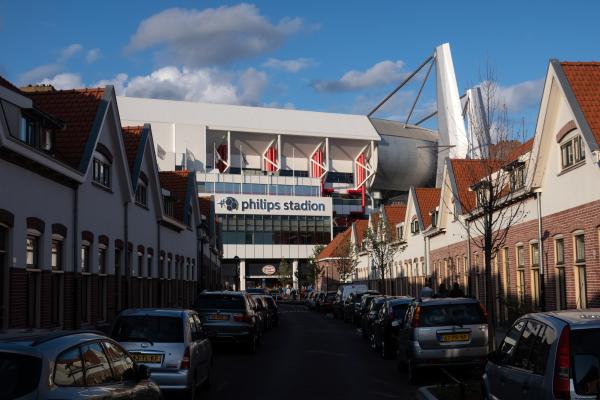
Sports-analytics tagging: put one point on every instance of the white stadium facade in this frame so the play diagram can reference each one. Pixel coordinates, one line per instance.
(283, 181)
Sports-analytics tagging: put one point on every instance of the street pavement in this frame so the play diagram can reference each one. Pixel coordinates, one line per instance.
(309, 356)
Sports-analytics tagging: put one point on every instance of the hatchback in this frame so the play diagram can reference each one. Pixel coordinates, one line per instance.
(272, 310)
(370, 315)
(170, 342)
(551, 355)
(442, 332)
(71, 365)
(229, 317)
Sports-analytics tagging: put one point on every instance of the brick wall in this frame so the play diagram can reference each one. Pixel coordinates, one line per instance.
(17, 303)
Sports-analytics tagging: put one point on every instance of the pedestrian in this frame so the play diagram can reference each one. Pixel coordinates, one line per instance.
(442, 291)
(426, 291)
(456, 291)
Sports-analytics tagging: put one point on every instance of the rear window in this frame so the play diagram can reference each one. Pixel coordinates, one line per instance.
(585, 354)
(451, 314)
(19, 374)
(153, 328)
(399, 310)
(221, 302)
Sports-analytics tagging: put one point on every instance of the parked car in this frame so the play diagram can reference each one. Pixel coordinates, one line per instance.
(229, 317)
(365, 302)
(272, 310)
(257, 291)
(343, 294)
(551, 355)
(326, 305)
(71, 365)
(370, 315)
(262, 311)
(171, 343)
(384, 337)
(442, 332)
(352, 305)
(319, 300)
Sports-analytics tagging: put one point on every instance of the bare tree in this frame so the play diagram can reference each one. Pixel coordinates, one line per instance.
(497, 183)
(344, 259)
(285, 272)
(381, 248)
(315, 270)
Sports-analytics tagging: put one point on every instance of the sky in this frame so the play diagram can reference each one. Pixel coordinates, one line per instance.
(332, 56)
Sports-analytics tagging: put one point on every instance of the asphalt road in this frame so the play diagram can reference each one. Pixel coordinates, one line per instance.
(309, 356)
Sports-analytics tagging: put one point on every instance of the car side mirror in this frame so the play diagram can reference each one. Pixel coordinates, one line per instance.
(143, 372)
(396, 323)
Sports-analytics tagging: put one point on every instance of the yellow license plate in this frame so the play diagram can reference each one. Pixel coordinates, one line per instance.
(219, 317)
(147, 358)
(455, 337)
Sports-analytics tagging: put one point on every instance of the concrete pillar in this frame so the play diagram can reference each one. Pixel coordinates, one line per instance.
(242, 275)
(295, 274)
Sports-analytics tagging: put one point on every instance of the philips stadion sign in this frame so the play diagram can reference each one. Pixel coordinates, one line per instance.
(272, 205)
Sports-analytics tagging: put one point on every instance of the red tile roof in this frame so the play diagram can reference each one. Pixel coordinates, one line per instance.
(177, 183)
(520, 150)
(331, 249)
(466, 174)
(584, 79)
(77, 109)
(8, 85)
(131, 138)
(427, 199)
(361, 229)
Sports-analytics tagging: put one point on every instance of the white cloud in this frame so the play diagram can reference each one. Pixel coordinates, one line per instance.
(211, 36)
(64, 81)
(118, 82)
(92, 56)
(289, 65)
(521, 95)
(382, 73)
(200, 84)
(44, 72)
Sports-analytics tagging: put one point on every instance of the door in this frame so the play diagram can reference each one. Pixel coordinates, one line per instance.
(497, 368)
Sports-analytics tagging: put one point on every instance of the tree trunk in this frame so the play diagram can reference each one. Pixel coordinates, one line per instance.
(489, 286)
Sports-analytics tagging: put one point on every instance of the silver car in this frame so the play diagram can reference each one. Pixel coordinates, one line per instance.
(442, 332)
(70, 365)
(170, 342)
(552, 355)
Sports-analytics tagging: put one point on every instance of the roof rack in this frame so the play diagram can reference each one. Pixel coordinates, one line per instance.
(59, 334)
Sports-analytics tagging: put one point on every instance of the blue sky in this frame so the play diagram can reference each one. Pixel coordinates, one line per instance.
(340, 56)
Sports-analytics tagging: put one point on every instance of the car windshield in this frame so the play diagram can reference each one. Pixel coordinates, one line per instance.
(399, 310)
(19, 374)
(451, 314)
(221, 302)
(151, 328)
(586, 361)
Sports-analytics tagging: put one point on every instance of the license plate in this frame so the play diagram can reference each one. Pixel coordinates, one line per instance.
(455, 337)
(218, 317)
(147, 358)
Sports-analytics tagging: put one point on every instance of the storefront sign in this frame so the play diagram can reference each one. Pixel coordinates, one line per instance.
(272, 205)
(268, 270)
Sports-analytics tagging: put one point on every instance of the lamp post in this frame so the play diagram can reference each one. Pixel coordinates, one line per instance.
(236, 259)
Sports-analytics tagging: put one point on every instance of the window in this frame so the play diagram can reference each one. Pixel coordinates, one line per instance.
(517, 177)
(509, 344)
(414, 226)
(35, 134)
(122, 365)
(32, 251)
(561, 281)
(95, 363)
(141, 194)
(101, 259)
(85, 257)
(140, 265)
(572, 152)
(149, 266)
(521, 274)
(400, 232)
(434, 218)
(57, 255)
(533, 348)
(169, 205)
(535, 274)
(68, 369)
(102, 172)
(580, 276)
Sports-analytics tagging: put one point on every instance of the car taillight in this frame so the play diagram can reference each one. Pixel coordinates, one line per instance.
(242, 318)
(416, 321)
(185, 361)
(561, 382)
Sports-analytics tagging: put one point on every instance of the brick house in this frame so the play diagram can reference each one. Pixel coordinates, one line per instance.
(85, 223)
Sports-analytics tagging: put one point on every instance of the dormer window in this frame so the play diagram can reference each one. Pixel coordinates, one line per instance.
(35, 133)
(434, 218)
(517, 177)
(169, 206)
(400, 232)
(572, 152)
(101, 171)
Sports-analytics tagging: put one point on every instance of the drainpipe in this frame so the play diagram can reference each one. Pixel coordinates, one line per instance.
(538, 196)
(127, 266)
(469, 255)
(77, 307)
(427, 248)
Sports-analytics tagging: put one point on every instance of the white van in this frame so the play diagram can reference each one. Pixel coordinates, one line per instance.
(345, 291)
